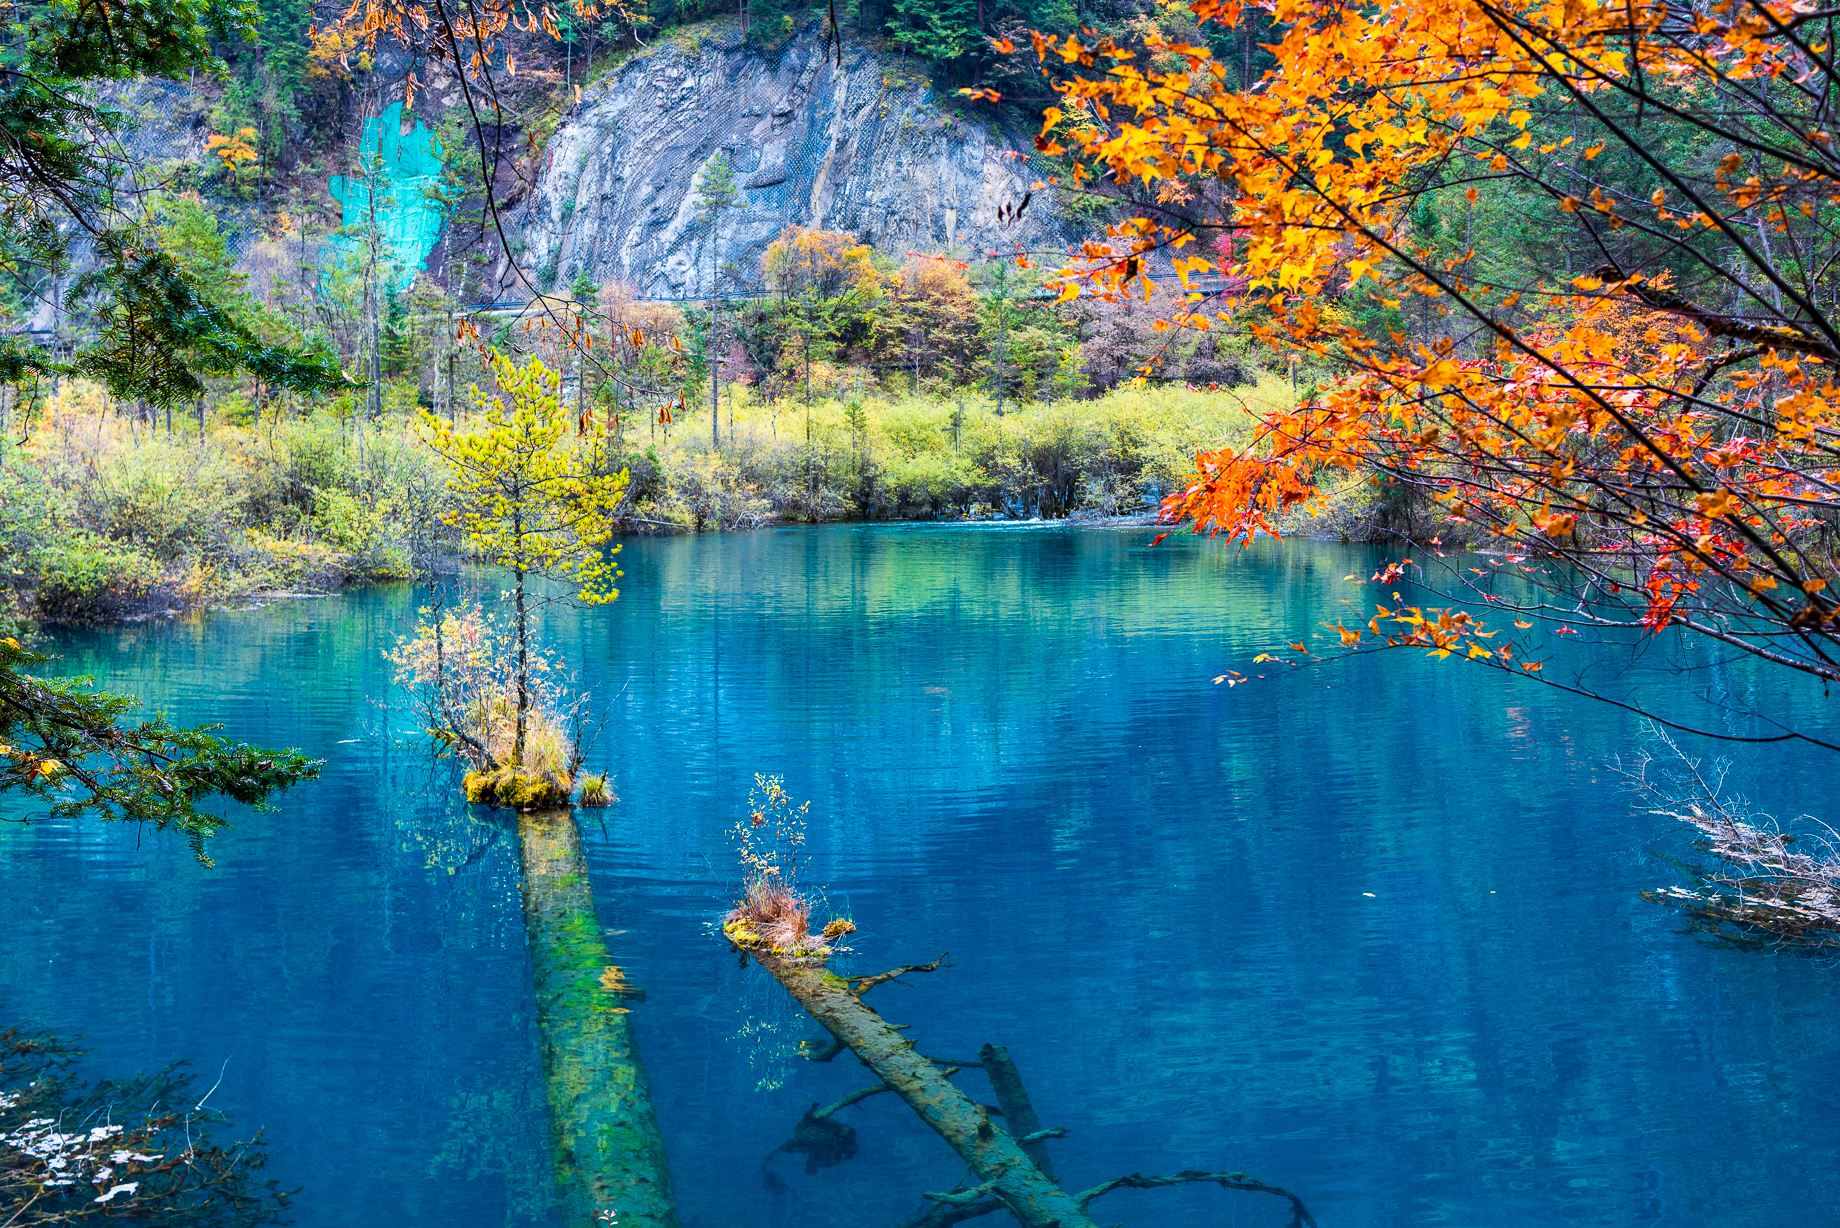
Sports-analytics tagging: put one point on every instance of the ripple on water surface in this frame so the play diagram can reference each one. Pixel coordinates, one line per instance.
(1369, 932)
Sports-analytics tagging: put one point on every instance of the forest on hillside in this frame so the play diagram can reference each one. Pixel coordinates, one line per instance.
(825, 380)
(1578, 314)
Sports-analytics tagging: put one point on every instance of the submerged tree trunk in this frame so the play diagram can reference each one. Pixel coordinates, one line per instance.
(1013, 1098)
(608, 1153)
(1003, 1169)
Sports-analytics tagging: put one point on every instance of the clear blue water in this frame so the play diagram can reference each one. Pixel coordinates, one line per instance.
(1156, 892)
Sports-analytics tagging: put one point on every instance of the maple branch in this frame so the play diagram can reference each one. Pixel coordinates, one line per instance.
(1716, 324)
(1507, 24)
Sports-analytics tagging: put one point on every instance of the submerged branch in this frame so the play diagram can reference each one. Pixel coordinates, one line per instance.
(1018, 1112)
(941, 1214)
(865, 984)
(1300, 1215)
(1764, 891)
(855, 1097)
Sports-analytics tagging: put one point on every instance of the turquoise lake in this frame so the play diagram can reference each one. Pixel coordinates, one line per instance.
(1370, 931)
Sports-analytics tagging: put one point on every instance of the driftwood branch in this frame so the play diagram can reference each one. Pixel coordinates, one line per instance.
(819, 1050)
(1768, 887)
(860, 1094)
(1300, 1215)
(865, 984)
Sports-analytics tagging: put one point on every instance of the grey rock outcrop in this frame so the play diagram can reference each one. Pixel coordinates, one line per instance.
(860, 147)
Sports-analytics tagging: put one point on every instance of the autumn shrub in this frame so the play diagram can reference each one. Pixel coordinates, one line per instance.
(341, 520)
(290, 461)
(595, 791)
(774, 914)
(81, 578)
(928, 483)
(171, 500)
(106, 518)
(458, 667)
(291, 564)
(719, 489)
(944, 454)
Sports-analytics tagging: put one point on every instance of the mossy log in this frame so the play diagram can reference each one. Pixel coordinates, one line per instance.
(1004, 1170)
(608, 1154)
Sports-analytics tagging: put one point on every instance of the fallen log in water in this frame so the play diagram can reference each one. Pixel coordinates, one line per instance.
(608, 1154)
(772, 924)
(1004, 1171)
(1002, 1161)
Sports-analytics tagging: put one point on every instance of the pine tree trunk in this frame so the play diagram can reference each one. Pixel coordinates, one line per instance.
(523, 663)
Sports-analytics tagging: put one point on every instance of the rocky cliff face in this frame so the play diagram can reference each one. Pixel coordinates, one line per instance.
(860, 147)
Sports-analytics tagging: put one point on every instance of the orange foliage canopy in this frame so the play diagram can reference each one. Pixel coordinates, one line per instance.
(824, 263)
(234, 150)
(1667, 445)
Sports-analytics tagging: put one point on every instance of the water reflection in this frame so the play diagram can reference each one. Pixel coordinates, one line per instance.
(1370, 933)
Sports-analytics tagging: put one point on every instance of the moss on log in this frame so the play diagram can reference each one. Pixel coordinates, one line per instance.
(1003, 1169)
(608, 1153)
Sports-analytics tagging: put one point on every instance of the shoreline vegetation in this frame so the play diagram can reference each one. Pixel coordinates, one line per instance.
(108, 518)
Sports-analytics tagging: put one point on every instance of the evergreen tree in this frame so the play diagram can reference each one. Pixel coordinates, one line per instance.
(716, 194)
(159, 328)
(160, 332)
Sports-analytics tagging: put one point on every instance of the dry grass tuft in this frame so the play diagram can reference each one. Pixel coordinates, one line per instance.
(775, 916)
(772, 913)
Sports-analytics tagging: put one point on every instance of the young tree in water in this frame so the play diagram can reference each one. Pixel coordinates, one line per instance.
(533, 500)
